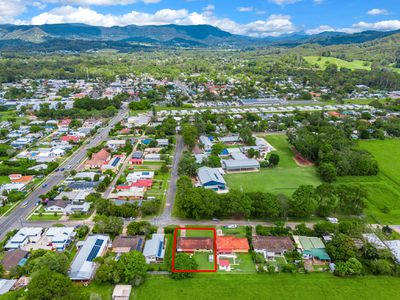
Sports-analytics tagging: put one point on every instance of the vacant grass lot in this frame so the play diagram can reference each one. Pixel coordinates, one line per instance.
(284, 179)
(322, 62)
(383, 190)
(279, 286)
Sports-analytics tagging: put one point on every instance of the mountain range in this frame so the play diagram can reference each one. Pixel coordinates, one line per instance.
(81, 37)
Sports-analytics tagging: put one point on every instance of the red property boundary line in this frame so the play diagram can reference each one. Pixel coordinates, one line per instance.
(214, 252)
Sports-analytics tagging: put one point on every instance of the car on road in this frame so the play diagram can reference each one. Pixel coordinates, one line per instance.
(68, 167)
(25, 204)
(216, 220)
(231, 226)
(62, 169)
(44, 185)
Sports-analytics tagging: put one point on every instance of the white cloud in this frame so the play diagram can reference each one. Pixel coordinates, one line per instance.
(99, 2)
(284, 2)
(318, 2)
(209, 7)
(273, 26)
(12, 8)
(387, 25)
(245, 9)
(378, 11)
(320, 29)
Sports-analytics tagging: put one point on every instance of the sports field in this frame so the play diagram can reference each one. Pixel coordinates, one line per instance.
(278, 286)
(284, 179)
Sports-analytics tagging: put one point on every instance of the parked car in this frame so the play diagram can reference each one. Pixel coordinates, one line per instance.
(231, 226)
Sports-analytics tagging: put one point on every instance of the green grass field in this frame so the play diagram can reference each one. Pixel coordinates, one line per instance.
(279, 286)
(203, 262)
(383, 190)
(322, 62)
(284, 179)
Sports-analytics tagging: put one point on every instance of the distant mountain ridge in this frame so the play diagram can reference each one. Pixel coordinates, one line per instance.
(81, 37)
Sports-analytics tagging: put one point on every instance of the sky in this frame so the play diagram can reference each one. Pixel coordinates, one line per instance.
(257, 18)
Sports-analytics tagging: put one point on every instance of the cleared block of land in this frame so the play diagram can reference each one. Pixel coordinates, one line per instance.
(284, 179)
(279, 286)
(322, 62)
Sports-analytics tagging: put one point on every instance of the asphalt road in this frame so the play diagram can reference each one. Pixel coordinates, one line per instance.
(169, 204)
(16, 218)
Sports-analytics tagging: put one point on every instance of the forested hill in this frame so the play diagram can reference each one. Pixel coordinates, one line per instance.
(81, 37)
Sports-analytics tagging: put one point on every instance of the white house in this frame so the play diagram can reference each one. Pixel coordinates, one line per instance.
(24, 236)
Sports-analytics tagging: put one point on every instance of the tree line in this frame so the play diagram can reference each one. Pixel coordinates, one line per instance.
(324, 200)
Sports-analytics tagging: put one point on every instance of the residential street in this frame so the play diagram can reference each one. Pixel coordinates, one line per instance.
(20, 213)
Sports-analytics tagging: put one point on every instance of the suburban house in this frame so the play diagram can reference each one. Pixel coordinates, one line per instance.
(206, 143)
(128, 193)
(312, 248)
(394, 247)
(231, 244)
(211, 178)
(70, 139)
(154, 249)
(83, 267)
(113, 164)
(373, 239)
(60, 237)
(115, 144)
(125, 244)
(56, 206)
(271, 246)
(194, 244)
(230, 140)
(162, 142)
(78, 195)
(14, 258)
(24, 236)
(141, 175)
(240, 165)
(19, 178)
(98, 159)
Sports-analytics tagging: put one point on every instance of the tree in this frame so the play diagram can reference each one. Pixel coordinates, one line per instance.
(53, 261)
(108, 271)
(349, 268)
(328, 200)
(341, 248)
(327, 171)
(139, 228)
(133, 268)
(265, 205)
(247, 137)
(352, 199)
(304, 201)
(273, 159)
(183, 262)
(49, 285)
(217, 148)
(187, 165)
(189, 135)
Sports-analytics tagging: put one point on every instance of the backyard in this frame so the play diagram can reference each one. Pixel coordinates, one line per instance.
(284, 179)
(277, 286)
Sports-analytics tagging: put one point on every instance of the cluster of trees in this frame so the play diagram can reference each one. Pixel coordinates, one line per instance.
(306, 201)
(21, 166)
(332, 151)
(140, 105)
(83, 108)
(130, 268)
(110, 225)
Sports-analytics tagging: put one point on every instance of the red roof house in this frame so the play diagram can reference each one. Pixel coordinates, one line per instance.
(70, 138)
(231, 244)
(194, 244)
(98, 159)
(147, 183)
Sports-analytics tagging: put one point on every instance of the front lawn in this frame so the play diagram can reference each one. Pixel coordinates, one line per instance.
(45, 217)
(276, 286)
(284, 179)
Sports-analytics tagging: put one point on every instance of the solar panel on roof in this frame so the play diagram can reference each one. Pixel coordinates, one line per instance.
(139, 245)
(145, 173)
(116, 161)
(95, 250)
(160, 247)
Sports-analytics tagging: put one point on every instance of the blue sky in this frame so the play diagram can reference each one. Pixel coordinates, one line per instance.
(248, 17)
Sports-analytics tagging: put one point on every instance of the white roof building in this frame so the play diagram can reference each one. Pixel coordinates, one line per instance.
(83, 267)
(394, 247)
(60, 237)
(24, 236)
(154, 249)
